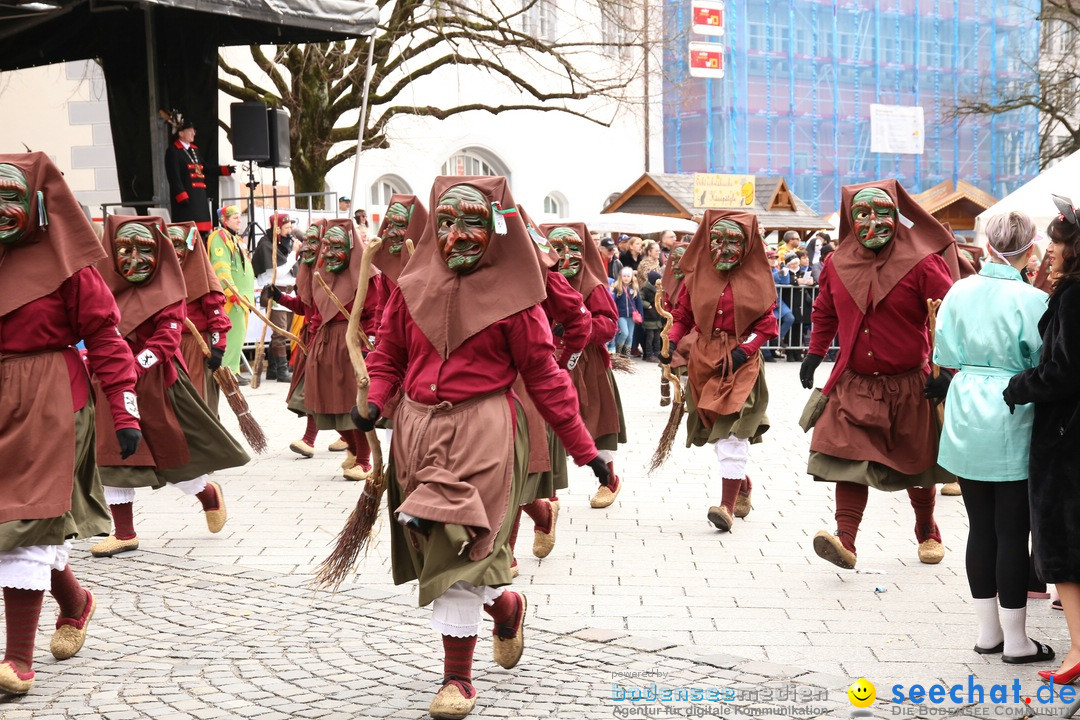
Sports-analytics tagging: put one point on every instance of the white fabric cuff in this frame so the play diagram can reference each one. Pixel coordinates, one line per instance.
(30, 568)
(193, 486)
(458, 611)
(734, 455)
(119, 496)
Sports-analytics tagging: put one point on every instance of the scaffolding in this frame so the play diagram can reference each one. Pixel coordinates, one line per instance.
(802, 74)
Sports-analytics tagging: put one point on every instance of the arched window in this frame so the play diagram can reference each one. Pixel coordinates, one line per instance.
(475, 161)
(555, 204)
(385, 187)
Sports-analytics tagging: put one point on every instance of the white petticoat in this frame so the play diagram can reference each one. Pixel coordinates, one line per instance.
(30, 568)
(734, 455)
(457, 612)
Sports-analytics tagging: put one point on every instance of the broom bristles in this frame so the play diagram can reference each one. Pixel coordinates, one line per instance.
(250, 429)
(354, 537)
(667, 438)
(622, 364)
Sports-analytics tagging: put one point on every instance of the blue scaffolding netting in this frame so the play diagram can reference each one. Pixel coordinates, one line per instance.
(800, 76)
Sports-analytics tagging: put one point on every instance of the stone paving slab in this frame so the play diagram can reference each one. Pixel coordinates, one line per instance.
(206, 626)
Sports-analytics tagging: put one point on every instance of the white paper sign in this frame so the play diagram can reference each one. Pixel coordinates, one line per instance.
(897, 129)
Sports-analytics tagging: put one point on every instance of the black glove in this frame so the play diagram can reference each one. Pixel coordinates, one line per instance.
(599, 468)
(129, 441)
(666, 359)
(275, 292)
(558, 330)
(937, 388)
(1009, 401)
(367, 424)
(806, 371)
(214, 361)
(738, 359)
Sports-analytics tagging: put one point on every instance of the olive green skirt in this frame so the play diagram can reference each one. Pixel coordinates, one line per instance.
(827, 468)
(88, 516)
(612, 441)
(435, 560)
(295, 401)
(334, 422)
(750, 423)
(545, 484)
(210, 444)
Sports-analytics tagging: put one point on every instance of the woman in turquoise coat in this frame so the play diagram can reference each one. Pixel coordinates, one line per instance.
(987, 329)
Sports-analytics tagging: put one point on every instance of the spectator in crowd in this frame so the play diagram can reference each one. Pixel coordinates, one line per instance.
(667, 243)
(623, 242)
(648, 263)
(360, 218)
(815, 252)
(791, 243)
(628, 303)
(611, 258)
(263, 262)
(652, 323)
(635, 251)
(783, 276)
(344, 204)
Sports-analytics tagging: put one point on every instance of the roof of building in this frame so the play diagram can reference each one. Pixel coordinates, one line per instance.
(945, 193)
(672, 195)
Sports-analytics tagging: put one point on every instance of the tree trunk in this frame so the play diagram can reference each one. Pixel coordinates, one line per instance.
(310, 179)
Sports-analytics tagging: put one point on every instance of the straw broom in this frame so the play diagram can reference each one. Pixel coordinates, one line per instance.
(667, 438)
(258, 313)
(354, 537)
(251, 430)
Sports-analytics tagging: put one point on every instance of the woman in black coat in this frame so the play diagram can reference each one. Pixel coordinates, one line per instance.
(1054, 387)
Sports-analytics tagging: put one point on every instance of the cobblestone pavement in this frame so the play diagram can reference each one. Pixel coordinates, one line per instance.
(206, 626)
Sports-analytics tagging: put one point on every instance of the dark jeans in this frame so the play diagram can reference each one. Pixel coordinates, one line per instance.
(652, 342)
(997, 546)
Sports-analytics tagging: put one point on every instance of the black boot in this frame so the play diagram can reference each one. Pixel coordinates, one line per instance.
(284, 375)
(271, 367)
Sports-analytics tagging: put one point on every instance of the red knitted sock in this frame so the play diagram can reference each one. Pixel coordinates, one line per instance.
(730, 492)
(514, 531)
(505, 611)
(747, 486)
(554, 498)
(22, 609)
(613, 479)
(311, 431)
(458, 657)
(922, 501)
(540, 512)
(208, 496)
(123, 516)
(362, 451)
(68, 593)
(850, 503)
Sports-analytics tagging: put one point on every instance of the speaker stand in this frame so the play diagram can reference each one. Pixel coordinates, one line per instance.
(251, 224)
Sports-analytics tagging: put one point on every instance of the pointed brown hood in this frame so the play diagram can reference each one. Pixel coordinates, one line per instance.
(593, 268)
(449, 307)
(199, 276)
(391, 265)
(343, 284)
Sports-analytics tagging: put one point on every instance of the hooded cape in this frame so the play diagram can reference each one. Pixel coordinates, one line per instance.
(751, 281)
(593, 268)
(165, 287)
(672, 284)
(449, 307)
(868, 276)
(50, 253)
(389, 265)
(305, 278)
(199, 276)
(343, 284)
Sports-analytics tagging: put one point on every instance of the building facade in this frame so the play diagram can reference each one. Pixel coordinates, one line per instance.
(801, 75)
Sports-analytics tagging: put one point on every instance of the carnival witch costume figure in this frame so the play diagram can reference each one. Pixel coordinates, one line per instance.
(570, 325)
(461, 326)
(598, 394)
(302, 304)
(183, 439)
(728, 297)
(205, 309)
(872, 425)
(330, 385)
(53, 298)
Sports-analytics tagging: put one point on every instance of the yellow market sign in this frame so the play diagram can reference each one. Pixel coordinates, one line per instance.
(723, 191)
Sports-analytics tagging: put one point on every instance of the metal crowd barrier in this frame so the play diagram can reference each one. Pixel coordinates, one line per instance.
(795, 304)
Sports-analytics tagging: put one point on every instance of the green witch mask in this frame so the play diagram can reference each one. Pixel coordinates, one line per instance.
(463, 227)
(873, 213)
(309, 249)
(397, 219)
(14, 205)
(337, 250)
(568, 244)
(727, 243)
(136, 251)
(179, 243)
(676, 259)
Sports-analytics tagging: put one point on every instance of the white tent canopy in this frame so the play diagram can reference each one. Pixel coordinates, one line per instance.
(1033, 197)
(636, 223)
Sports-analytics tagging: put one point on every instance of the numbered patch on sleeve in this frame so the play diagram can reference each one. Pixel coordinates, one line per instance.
(572, 362)
(146, 359)
(751, 337)
(131, 404)
(173, 326)
(215, 338)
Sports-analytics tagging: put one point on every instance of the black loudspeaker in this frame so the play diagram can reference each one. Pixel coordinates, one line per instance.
(280, 153)
(250, 136)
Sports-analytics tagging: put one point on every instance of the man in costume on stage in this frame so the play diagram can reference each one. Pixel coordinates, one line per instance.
(463, 323)
(184, 169)
(876, 429)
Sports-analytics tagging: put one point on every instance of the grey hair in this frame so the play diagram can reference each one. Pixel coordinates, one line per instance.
(1011, 232)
